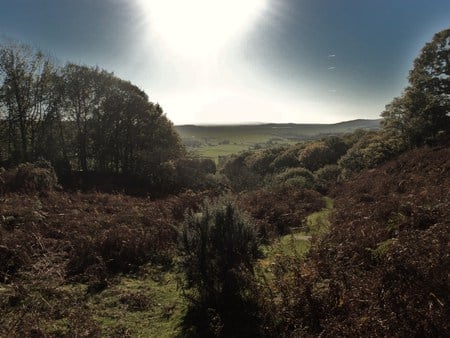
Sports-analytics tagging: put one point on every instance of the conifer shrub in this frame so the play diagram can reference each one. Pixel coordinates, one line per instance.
(219, 248)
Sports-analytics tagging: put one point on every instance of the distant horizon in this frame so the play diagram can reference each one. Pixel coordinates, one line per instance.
(266, 123)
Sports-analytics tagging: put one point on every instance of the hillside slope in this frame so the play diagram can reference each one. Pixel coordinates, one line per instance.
(388, 252)
(384, 267)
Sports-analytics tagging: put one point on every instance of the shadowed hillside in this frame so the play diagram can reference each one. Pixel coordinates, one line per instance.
(383, 267)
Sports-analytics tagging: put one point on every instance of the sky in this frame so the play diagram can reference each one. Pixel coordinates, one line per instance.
(240, 61)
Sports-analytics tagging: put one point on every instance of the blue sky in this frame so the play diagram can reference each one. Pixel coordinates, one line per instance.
(265, 61)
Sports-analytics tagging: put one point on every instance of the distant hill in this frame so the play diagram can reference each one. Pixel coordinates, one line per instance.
(284, 130)
(212, 141)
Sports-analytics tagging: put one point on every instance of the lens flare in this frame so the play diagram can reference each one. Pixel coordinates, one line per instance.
(197, 28)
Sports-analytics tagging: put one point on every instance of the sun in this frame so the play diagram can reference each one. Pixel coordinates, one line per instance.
(194, 28)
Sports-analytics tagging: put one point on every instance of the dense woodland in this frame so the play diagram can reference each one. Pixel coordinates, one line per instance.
(110, 228)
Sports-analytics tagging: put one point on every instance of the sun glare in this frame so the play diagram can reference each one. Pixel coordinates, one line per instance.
(200, 27)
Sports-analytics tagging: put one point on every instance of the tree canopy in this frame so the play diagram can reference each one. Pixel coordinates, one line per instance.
(421, 114)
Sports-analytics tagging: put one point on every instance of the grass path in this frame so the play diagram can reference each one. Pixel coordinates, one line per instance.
(299, 242)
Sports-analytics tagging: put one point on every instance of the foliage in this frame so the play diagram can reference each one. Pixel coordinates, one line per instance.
(287, 165)
(285, 159)
(296, 177)
(318, 154)
(279, 210)
(29, 178)
(239, 176)
(79, 118)
(194, 173)
(370, 151)
(328, 173)
(219, 247)
(421, 114)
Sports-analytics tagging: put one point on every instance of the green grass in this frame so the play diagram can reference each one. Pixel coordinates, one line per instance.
(317, 223)
(147, 307)
(297, 244)
(131, 306)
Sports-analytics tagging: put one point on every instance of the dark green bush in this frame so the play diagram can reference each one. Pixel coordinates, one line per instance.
(372, 150)
(328, 174)
(220, 248)
(296, 177)
(240, 176)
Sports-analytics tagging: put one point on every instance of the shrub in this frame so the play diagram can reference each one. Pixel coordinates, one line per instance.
(220, 248)
(328, 174)
(29, 178)
(296, 177)
(318, 154)
(369, 152)
(287, 159)
(239, 176)
(260, 162)
(278, 210)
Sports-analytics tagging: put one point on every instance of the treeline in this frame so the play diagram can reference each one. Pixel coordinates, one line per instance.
(79, 118)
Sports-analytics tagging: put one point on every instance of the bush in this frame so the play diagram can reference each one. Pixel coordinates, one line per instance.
(220, 248)
(328, 174)
(287, 159)
(318, 154)
(369, 152)
(239, 176)
(277, 211)
(296, 177)
(29, 178)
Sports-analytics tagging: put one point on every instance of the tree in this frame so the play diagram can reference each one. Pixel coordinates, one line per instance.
(421, 114)
(82, 98)
(25, 94)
